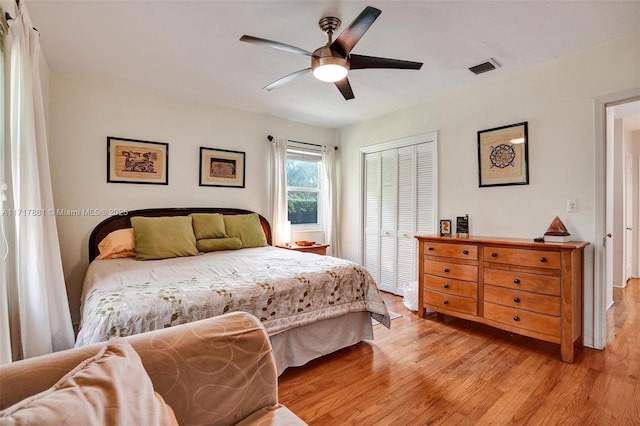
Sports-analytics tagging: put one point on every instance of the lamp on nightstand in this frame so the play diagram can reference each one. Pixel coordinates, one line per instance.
(287, 232)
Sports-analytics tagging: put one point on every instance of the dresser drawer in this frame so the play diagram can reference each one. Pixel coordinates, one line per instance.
(522, 281)
(522, 257)
(449, 286)
(545, 324)
(451, 270)
(540, 303)
(450, 302)
(457, 251)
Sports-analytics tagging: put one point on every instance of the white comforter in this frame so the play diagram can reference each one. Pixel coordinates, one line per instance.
(283, 288)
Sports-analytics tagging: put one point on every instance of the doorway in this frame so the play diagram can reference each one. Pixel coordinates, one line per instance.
(622, 220)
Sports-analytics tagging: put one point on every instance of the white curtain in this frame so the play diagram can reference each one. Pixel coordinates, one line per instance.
(5, 334)
(32, 279)
(330, 197)
(279, 215)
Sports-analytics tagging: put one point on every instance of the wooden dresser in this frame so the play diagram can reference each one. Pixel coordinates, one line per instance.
(533, 289)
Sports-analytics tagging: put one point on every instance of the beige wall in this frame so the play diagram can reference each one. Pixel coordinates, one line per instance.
(557, 99)
(84, 112)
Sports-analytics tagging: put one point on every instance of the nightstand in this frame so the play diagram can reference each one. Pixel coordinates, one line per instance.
(320, 249)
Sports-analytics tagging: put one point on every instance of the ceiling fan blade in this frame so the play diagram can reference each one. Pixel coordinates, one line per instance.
(345, 88)
(275, 45)
(354, 32)
(286, 79)
(358, 62)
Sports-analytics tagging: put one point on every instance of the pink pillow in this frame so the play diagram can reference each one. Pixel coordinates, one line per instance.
(120, 243)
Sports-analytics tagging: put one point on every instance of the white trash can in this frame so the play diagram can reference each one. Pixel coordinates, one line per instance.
(411, 296)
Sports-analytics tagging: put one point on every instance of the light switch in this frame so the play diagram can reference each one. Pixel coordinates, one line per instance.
(572, 206)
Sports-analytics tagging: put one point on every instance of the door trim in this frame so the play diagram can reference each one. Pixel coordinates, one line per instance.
(599, 288)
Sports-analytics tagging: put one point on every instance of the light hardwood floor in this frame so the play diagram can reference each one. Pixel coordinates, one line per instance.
(455, 372)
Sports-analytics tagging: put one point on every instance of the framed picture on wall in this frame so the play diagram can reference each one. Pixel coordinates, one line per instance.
(220, 167)
(136, 161)
(503, 155)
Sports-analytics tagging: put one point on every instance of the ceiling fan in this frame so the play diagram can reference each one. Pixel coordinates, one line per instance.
(332, 62)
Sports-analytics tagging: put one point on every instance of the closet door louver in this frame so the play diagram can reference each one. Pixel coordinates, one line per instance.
(426, 189)
(372, 214)
(406, 228)
(388, 206)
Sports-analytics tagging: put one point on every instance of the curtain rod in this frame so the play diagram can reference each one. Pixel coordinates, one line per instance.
(270, 138)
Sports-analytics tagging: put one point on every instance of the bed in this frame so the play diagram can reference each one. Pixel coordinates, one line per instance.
(311, 305)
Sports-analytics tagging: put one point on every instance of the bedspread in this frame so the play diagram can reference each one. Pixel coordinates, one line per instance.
(283, 288)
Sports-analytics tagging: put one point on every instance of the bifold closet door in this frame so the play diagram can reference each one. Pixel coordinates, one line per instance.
(388, 221)
(399, 203)
(371, 258)
(406, 224)
(426, 184)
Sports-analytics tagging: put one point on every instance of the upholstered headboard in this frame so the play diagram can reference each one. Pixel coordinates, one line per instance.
(124, 221)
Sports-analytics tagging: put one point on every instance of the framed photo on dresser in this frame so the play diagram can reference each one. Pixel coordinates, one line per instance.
(445, 228)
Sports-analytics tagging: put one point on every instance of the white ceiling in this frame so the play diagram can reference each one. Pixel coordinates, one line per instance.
(190, 49)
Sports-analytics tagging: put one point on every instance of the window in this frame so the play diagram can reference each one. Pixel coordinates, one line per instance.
(303, 187)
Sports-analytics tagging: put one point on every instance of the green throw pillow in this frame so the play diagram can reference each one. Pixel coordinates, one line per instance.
(208, 225)
(163, 237)
(216, 244)
(246, 227)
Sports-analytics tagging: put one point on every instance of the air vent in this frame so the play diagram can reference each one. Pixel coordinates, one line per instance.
(489, 65)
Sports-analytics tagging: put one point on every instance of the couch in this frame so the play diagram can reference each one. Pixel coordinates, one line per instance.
(217, 371)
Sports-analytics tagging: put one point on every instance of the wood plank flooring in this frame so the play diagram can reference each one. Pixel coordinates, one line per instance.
(454, 372)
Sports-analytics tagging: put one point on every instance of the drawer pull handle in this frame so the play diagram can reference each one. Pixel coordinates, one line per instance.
(516, 299)
(446, 302)
(543, 259)
(465, 251)
(446, 286)
(430, 249)
(516, 318)
(494, 254)
(446, 269)
(516, 281)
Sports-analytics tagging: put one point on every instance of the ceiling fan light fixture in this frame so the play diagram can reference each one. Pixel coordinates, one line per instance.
(327, 66)
(330, 72)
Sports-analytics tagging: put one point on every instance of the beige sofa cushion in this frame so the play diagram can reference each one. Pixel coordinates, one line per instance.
(224, 364)
(217, 370)
(111, 387)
